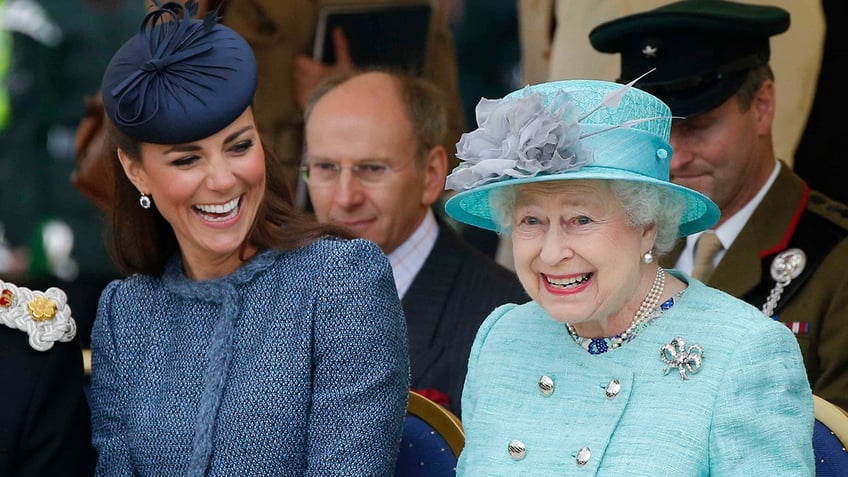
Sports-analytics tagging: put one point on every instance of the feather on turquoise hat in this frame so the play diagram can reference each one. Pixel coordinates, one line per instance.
(179, 79)
(568, 130)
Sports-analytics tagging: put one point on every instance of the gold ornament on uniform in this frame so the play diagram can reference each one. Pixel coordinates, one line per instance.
(43, 315)
(41, 308)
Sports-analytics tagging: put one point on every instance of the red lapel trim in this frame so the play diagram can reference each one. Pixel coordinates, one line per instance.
(784, 242)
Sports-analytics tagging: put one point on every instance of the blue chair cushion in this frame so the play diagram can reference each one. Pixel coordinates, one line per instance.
(423, 452)
(831, 457)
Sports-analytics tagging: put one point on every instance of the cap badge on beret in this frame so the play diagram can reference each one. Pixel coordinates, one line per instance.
(650, 51)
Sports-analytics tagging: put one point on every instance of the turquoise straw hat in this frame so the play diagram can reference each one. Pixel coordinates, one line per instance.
(568, 130)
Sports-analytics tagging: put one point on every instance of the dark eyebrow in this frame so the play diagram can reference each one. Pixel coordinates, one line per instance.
(194, 147)
(182, 148)
(316, 158)
(360, 160)
(232, 137)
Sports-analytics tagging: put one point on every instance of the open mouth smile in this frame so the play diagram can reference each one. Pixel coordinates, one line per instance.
(567, 283)
(219, 212)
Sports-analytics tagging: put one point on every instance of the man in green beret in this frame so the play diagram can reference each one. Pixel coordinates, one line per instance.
(778, 245)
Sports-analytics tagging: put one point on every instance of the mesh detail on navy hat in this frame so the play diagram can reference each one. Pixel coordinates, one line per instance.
(179, 79)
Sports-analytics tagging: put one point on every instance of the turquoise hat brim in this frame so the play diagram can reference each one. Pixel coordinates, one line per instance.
(472, 206)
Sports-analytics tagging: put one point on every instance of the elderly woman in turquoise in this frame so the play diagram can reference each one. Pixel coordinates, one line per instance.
(616, 366)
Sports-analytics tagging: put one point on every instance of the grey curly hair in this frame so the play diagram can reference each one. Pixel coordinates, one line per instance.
(644, 203)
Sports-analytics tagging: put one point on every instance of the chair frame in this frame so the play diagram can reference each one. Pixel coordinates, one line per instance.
(445, 422)
(832, 416)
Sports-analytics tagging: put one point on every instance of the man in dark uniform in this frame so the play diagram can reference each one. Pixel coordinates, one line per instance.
(781, 246)
(44, 418)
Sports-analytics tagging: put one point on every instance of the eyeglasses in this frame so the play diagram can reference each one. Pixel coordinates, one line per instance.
(325, 172)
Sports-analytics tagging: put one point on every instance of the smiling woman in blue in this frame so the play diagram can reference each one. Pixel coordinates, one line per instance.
(247, 339)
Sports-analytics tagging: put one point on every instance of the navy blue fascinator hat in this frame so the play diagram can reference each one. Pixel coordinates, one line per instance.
(179, 79)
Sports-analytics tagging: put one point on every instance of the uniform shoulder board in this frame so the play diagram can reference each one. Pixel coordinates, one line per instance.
(43, 315)
(834, 211)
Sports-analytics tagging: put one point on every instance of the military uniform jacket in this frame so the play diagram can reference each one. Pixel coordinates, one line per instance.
(748, 411)
(815, 304)
(44, 419)
(455, 290)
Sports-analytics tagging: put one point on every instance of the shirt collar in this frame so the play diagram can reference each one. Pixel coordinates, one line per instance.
(409, 257)
(730, 229)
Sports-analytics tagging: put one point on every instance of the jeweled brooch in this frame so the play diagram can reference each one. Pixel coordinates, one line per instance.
(675, 355)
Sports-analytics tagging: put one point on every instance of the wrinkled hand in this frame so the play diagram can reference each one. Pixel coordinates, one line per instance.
(308, 72)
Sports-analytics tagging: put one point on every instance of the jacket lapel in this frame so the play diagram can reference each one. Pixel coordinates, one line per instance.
(768, 230)
(425, 301)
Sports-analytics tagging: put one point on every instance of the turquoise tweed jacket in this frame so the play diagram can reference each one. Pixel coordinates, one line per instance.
(747, 412)
(294, 365)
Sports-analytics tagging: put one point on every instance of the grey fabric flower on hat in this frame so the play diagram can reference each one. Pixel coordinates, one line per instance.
(520, 137)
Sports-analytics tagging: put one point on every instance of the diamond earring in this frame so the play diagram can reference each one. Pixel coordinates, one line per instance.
(648, 257)
(144, 200)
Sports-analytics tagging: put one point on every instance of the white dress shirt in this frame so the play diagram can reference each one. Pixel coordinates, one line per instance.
(726, 232)
(410, 256)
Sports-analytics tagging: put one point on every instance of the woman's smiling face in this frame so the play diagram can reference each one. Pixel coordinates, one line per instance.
(208, 190)
(576, 253)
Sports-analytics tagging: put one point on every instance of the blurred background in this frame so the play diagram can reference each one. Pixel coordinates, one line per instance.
(53, 55)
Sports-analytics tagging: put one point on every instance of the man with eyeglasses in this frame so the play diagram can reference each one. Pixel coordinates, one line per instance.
(373, 163)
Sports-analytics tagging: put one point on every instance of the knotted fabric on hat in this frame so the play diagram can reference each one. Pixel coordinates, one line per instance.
(179, 79)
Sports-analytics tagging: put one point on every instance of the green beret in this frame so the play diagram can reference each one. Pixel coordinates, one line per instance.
(701, 49)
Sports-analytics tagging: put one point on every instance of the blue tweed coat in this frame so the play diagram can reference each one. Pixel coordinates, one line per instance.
(294, 365)
(747, 412)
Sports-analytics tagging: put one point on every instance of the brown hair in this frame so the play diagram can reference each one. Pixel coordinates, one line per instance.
(143, 241)
(426, 104)
(754, 79)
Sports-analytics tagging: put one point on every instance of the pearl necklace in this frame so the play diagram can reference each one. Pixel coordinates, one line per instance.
(646, 308)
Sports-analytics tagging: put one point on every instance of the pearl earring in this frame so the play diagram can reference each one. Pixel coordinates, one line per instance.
(648, 257)
(144, 200)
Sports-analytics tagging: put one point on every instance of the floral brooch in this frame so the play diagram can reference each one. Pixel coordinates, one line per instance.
(44, 316)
